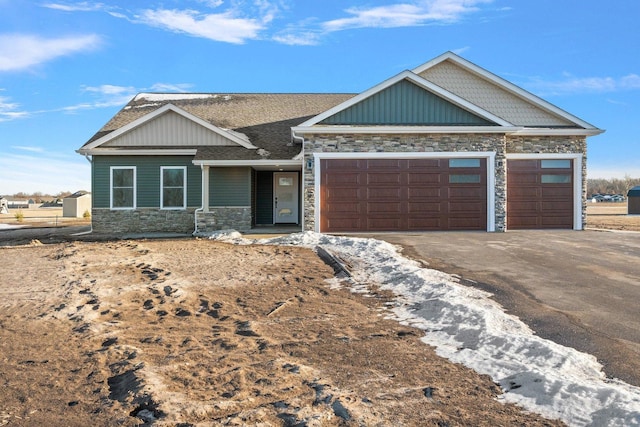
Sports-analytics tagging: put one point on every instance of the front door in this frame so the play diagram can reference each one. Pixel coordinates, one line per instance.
(285, 200)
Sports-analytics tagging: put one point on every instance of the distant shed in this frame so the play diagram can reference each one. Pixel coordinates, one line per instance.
(633, 197)
(75, 205)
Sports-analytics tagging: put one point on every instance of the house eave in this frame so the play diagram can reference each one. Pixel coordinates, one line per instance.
(308, 130)
(253, 163)
(137, 152)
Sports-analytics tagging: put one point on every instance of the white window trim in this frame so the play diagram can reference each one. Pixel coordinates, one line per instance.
(490, 157)
(184, 186)
(135, 176)
(577, 178)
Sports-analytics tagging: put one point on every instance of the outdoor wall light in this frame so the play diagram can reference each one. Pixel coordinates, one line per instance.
(309, 163)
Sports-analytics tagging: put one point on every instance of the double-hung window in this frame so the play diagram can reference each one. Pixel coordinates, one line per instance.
(123, 187)
(173, 190)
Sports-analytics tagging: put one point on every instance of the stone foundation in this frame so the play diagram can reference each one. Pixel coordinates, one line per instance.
(236, 218)
(143, 220)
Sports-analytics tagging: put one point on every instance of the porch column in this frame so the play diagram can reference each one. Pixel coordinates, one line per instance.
(205, 189)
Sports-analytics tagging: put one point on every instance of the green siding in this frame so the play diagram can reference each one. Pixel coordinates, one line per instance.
(406, 104)
(147, 178)
(230, 186)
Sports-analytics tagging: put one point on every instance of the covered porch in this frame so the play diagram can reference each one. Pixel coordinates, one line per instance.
(250, 197)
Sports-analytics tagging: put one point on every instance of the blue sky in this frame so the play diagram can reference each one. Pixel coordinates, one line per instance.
(66, 67)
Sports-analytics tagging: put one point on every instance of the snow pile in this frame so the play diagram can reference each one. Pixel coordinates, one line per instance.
(467, 327)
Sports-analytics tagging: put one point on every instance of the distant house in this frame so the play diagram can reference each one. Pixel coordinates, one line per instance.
(75, 205)
(445, 146)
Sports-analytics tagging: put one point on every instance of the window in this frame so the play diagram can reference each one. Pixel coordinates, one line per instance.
(173, 194)
(464, 179)
(556, 179)
(123, 187)
(464, 163)
(555, 164)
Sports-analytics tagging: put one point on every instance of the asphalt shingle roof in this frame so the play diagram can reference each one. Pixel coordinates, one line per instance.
(265, 118)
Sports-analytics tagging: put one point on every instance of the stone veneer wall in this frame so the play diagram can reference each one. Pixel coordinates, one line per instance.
(236, 218)
(427, 143)
(142, 220)
(554, 145)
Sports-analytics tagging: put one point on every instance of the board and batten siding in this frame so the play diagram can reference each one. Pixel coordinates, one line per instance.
(170, 129)
(147, 178)
(405, 103)
(230, 187)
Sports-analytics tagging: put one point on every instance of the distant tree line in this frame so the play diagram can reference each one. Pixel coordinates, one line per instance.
(38, 197)
(611, 186)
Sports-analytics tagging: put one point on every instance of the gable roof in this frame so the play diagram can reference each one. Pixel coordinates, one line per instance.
(496, 94)
(417, 80)
(252, 121)
(463, 84)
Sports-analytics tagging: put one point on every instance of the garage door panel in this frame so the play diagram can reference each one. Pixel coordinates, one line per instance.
(405, 194)
(471, 208)
(383, 164)
(384, 208)
(551, 191)
(392, 193)
(415, 178)
(341, 165)
(383, 178)
(342, 194)
(424, 193)
(424, 163)
(345, 208)
(466, 192)
(342, 179)
(416, 207)
(537, 196)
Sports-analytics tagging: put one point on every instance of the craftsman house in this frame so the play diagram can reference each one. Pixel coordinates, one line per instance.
(445, 146)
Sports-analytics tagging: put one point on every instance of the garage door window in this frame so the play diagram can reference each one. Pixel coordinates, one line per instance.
(464, 163)
(556, 179)
(555, 164)
(464, 179)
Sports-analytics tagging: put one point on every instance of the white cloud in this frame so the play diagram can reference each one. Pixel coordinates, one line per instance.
(572, 85)
(408, 14)
(222, 27)
(171, 87)
(28, 148)
(9, 110)
(76, 7)
(22, 51)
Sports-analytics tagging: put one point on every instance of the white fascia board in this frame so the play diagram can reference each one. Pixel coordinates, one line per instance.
(233, 136)
(559, 132)
(577, 177)
(490, 157)
(505, 84)
(425, 84)
(253, 163)
(304, 130)
(138, 152)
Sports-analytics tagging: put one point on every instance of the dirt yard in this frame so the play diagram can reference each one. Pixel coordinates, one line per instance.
(611, 216)
(195, 332)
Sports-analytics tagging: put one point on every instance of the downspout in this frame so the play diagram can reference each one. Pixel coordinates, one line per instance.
(201, 208)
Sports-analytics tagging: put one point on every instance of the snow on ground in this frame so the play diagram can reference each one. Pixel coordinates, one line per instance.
(468, 327)
(9, 226)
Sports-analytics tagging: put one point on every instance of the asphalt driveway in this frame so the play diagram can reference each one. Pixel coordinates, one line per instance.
(577, 288)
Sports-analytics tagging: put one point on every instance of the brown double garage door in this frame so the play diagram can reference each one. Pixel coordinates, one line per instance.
(364, 195)
(403, 194)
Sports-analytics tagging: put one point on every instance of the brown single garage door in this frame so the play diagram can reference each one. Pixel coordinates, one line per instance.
(403, 194)
(539, 193)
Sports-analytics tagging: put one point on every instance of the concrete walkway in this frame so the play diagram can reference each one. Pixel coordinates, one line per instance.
(577, 288)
